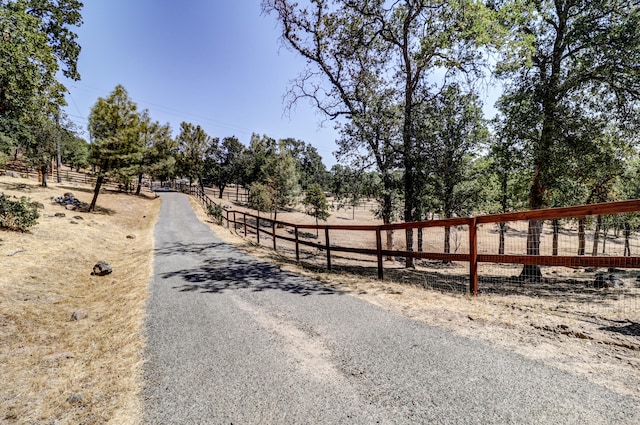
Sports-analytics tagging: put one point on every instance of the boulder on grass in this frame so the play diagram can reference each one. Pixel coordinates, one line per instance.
(102, 268)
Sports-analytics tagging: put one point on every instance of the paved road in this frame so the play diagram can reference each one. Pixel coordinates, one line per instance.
(235, 340)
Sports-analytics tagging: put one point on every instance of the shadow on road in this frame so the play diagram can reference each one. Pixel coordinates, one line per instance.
(227, 273)
(186, 248)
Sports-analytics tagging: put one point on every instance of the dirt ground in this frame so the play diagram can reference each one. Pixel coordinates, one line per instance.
(54, 369)
(562, 322)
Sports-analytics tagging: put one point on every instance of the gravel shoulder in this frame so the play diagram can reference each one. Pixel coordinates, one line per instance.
(234, 339)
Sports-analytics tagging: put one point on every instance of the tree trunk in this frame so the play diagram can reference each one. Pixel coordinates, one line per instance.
(420, 239)
(96, 191)
(447, 240)
(581, 236)
(556, 234)
(532, 271)
(43, 171)
(221, 187)
(596, 236)
(627, 234)
(139, 184)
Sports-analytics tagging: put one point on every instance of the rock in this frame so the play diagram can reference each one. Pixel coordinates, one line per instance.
(589, 270)
(68, 195)
(73, 222)
(614, 270)
(78, 217)
(59, 215)
(102, 268)
(131, 237)
(71, 207)
(12, 174)
(79, 315)
(75, 398)
(39, 205)
(604, 280)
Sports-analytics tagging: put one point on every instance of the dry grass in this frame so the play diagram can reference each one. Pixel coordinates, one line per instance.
(45, 356)
(597, 344)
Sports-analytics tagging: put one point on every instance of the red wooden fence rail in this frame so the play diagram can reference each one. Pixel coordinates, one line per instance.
(473, 258)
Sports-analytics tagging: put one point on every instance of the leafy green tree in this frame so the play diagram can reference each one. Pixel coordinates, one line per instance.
(308, 162)
(117, 146)
(509, 177)
(579, 62)
(451, 137)
(362, 55)
(261, 150)
(281, 176)
(36, 39)
(316, 203)
(41, 148)
(158, 154)
(75, 151)
(193, 144)
(260, 198)
(223, 163)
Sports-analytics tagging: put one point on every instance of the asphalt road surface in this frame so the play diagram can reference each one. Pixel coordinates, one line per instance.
(232, 340)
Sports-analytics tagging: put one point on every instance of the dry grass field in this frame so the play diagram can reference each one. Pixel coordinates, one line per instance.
(55, 370)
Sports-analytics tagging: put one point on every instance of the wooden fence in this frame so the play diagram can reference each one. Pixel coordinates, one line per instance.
(248, 223)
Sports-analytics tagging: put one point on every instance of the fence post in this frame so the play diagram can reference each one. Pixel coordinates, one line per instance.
(227, 212)
(297, 246)
(258, 228)
(379, 254)
(326, 241)
(244, 218)
(473, 256)
(273, 233)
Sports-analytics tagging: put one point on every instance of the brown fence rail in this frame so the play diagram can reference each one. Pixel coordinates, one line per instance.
(251, 225)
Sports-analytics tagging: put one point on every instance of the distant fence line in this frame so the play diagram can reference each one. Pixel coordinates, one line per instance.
(249, 223)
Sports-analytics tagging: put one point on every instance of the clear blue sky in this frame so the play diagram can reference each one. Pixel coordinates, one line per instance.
(218, 64)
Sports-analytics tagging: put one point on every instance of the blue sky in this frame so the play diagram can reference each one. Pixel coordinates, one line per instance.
(218, 64)
(215, 63)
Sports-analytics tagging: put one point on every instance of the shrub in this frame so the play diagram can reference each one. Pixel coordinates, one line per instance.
(18, 215)
(215, 212)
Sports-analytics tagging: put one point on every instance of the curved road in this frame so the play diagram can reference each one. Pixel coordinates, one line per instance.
(232, 340)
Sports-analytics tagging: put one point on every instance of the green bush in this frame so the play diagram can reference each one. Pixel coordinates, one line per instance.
(215, 211)
(18, 215)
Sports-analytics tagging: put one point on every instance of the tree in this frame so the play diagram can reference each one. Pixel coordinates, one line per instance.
(75, 150)
(579, 61)
(374, 50)
(282, 179)
(316, 203)
(158, 150)
(193, 144)
(451, 134)
(509, 176)
(37, 38)
(223, 162)
(117, 145)
(308, 162)
(260, 199)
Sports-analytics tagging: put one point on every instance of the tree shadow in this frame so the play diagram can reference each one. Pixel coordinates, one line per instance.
(186, 248)
(631, 329)
(22, 187)
(229, 273)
